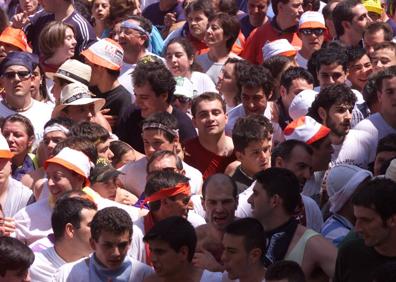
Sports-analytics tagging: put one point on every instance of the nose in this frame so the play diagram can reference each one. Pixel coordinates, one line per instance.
(149, 149)
(223, 257)
(219, 206)
(116, 251)
(307, 173)
(50, 182)
(250, 200)
(110, 154)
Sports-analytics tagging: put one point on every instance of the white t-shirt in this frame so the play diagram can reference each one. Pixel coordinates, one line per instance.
(79, 272)
(18, 196)
(301, 61)
(211, 68)
(202, 83)
(358, 148)
(135, 175)
(45, 265)
(39, 113)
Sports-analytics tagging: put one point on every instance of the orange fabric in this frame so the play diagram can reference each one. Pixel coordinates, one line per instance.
(259, 36)
(181, 188)
(201, 48)
(148, 221)
(323, 132)
(95, 59)
(15, 37)
(68, 166)
(5, 154)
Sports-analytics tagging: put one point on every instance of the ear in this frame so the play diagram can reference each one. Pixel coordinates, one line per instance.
(279, 162)
(255, 255)
(164, 97)
(276, 201)
(322, 113)
(379, 95)
(203, 203)
(282, 91)
(30, 141)
(238, 155)
(346, 25)
(183, 252)
(92, 244)
(69, 229)
(391, 222)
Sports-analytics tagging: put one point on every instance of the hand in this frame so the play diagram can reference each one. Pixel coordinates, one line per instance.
(112, 120)
(169, 20)
(125, 197)
(205, 260)
(20, 20)
(7, 226)
(100, 119)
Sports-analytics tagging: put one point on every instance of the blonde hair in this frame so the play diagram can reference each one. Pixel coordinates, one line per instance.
(52, 37)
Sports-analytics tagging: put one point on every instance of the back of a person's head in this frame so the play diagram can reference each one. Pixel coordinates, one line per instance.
(90, 131)
(175, 231)
(282, 182)
(387, 144)
(284, 270)
(112, 220)
(80, 144)
(163, 179)
(378, 194)
(15, 256)
(284, 150)
(249, 129)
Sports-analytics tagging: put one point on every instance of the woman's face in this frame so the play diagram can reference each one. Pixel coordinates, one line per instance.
(214, 34)
(227, 81)
(177, 60)
(17, 137)
(100, 9)
(197, 24)
(29, 6)
(66, 51)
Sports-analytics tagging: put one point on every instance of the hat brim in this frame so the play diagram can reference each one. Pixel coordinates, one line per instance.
(68, 166)
(311, 25)
(322, 133)
(98, 105)
(53, 75)
(11, 41)
(95, 59)
(5, 154)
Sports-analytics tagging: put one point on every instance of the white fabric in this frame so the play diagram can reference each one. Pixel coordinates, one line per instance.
(357, 149)
(212, 69)
(377, 127)
(202, 83)
(312, 17)
(301, 61)
(39, 113)
(45, 265)
(74, 158)
(312, 186)
(276, 47)
(239, 111)
(208, 276)
(79, 272)
(18, 196)
(134, 177)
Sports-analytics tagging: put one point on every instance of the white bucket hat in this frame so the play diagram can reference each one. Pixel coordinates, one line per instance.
(73, 71)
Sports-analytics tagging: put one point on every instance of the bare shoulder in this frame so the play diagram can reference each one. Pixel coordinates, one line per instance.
(230, 169)
(202, 231)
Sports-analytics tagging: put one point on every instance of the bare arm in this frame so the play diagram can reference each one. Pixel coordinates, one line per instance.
(322, 254)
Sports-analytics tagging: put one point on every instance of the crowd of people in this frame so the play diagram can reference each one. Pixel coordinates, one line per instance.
(198, 140)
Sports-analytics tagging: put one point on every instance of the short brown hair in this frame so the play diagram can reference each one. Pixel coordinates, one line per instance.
(52, 37)
(207, 96)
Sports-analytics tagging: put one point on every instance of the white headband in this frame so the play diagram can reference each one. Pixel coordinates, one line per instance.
(56, 127)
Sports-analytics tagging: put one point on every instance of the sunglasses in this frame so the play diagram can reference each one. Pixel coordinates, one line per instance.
(181, 99)
(309, 31)
(22, 75)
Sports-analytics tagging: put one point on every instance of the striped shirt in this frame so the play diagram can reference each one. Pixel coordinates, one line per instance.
(335, 228)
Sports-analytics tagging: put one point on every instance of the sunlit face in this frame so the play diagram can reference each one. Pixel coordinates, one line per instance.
(130, 39)
(107, 190)
(17, 138)
(254, 100)
(331, 74)
(148, 102)
(51, 139)
(260, 202)
(291, 11)
(155, 140)
(310, 40)
(369, 224)
(66, 51)
(359, 72)
(197, 23)
(383, 58)
(18, 84)
(111, 249)
(29, 6)
(387, 97)
(79, 113)
(359, 22)
(166, 261)
(226, 83)
(372, 39)
(35, 87)
(256, 156)
(177, 60)
(235, 257)
(210, 118)
(219, 204)
(338, 118)
(61, 180)
(104, 151)
(257, 10)
(214, 35)
(100, 9)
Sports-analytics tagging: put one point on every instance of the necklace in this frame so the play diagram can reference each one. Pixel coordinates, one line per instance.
(18, 110)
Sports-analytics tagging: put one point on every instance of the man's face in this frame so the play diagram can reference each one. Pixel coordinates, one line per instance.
(176, 206)
(166, 261)
(155, 140)
(49, 5)
(311, 39)
(256, 156)
(359, 72)
(235, 257)
(260, 202)
(383, 58)
(111, 249)
(257, 10)
(80, 113)
(197, 23)
(369, 224)
(104, 151)
(210, 118)
(148, 101)
(29, 6)
(322, 155)
(132, 41)
(299, 162)
(82, 234)
(50, 140)
(165, 163)
(331, 74)
(296, 87)
(387, 97)
(5, 170)
(17, 81)
(338, 118)
(291, 11)
(359, 21)
(254, 100)
(381, 158)
(219, 204)
(61, 180)
(371, 39)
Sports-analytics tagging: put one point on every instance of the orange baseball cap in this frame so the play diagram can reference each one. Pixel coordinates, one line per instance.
(5, 152)
(15, 37)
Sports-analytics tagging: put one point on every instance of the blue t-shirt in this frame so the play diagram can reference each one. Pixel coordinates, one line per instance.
(156, 16)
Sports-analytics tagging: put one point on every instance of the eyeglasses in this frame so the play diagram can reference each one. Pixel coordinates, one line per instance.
(309, 31)
(181, 99)
(22, 75)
